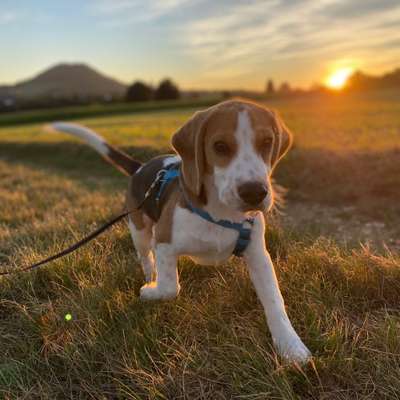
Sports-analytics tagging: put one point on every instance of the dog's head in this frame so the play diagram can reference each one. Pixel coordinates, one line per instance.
(235, 146)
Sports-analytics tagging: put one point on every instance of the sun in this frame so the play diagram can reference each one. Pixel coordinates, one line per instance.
(337, 80)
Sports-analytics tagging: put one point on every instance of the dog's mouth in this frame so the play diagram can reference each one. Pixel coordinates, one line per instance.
(262, 206)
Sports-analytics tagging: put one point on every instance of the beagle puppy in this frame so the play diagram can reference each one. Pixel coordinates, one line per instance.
(225, 158)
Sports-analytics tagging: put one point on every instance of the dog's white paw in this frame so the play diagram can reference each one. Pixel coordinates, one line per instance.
(292, 349)
(151, 291)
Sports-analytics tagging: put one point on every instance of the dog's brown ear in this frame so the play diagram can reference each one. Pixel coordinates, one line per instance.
(283, 140)
(188, 142)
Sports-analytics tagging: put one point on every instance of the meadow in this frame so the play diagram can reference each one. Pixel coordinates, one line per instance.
(335, 246)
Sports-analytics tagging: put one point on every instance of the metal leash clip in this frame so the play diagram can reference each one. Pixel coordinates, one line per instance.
(157, 180)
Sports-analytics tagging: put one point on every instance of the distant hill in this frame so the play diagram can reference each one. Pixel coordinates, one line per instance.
(360, 81)
(67, 81)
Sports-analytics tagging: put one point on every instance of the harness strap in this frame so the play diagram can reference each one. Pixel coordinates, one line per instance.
(243, 239)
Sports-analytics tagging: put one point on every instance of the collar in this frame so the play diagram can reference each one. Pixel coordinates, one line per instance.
(172, 172)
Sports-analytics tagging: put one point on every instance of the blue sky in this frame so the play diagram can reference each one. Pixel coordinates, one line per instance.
(201, 43)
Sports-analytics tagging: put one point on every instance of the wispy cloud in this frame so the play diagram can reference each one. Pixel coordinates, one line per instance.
(7, 17)
(123, 12)
(263, 33)
(356, 9)
(246, 33)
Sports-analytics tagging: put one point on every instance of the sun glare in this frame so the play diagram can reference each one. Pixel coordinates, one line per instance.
(337, 80)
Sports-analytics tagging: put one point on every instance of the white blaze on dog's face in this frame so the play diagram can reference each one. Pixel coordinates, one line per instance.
(236, 144)
(244, 182)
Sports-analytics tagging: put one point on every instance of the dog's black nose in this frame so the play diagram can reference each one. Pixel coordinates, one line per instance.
(252, 193)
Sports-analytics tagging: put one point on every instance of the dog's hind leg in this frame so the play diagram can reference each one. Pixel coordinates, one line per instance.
(142, 239)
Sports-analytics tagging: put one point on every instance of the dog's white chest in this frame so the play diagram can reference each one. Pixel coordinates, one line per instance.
(205, 242)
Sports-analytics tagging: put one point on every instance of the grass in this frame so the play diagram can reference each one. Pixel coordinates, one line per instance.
(212, 342)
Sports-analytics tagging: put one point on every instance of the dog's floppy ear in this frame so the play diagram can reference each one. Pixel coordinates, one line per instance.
(188, 142)
(283, 140)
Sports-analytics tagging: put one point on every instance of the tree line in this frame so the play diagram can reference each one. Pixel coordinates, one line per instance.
(140, 91)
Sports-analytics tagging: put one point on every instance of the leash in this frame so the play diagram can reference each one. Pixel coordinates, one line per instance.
(72, 248)
(91, 235)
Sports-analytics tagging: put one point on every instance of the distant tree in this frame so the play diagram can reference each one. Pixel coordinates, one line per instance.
(139, 91)
(226, 94)
(284, 88)
(270, 89)
(167, 90)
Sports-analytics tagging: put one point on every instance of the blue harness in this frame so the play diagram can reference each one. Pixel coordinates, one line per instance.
(170, 173)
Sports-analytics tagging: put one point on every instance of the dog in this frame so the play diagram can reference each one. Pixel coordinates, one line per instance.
(222, 168)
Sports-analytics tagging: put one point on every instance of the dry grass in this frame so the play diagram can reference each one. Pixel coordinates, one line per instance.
(212, 342)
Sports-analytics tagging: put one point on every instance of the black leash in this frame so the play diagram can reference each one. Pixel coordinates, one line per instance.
(72, 248)
(89, 237)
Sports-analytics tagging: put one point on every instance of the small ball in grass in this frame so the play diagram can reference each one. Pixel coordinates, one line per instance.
(68, 317)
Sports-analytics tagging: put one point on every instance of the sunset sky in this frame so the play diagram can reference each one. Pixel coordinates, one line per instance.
(201, 43)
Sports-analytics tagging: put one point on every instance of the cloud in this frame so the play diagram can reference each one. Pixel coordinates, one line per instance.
(356, 9)
(125, 12)
(246, 31)
(8, 17)
(239, 37)
(261, 33)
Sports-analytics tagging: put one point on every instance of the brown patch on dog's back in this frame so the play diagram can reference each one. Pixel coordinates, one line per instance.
(164, 226)
(136, 215)
(139, 184)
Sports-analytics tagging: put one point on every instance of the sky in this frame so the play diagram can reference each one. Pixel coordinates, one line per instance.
(201, 44)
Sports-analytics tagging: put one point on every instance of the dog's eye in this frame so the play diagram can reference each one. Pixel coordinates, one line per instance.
(221, 148)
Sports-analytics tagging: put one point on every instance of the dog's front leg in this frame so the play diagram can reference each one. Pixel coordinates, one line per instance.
(262, 274)
(166, 285)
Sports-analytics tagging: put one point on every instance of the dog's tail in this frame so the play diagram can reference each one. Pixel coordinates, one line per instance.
(118, 158)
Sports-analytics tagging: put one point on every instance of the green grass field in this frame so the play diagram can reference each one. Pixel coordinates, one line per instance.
(336, 251)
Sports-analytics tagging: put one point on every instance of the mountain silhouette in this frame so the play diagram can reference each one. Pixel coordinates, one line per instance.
(68, 81)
